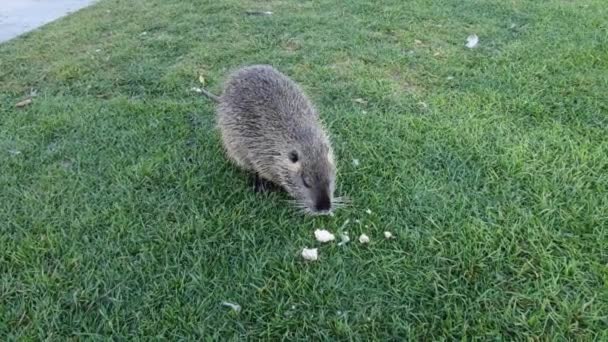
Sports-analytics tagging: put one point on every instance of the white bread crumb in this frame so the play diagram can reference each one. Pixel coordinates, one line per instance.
(310, 254)
(323, 235)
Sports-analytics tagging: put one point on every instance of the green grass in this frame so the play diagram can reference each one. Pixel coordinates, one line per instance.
(120, 215)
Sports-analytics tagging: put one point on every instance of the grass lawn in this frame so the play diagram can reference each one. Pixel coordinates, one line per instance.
(120, 215)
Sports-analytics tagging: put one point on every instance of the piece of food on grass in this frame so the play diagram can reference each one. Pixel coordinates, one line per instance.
(310, 254)
(323, 235)
(472, 41)
(363, 238)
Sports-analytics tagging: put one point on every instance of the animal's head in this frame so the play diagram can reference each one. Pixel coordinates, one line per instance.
(310, 175)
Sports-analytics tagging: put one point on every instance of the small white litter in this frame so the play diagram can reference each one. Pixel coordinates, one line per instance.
(356, 162)
(472, 41)
(345, 239)
(235, 307)
(24, 103)
(364, 238)
(323, 235)
(388, 235)
(368, 211)
(259, 12)
(310, 254)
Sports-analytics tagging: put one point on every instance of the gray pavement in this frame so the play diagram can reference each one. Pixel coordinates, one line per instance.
(20, 16)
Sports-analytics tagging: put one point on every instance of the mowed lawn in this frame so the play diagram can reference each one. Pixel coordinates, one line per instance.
(121, 217)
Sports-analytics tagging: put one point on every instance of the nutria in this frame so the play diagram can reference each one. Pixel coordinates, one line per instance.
(269, 126)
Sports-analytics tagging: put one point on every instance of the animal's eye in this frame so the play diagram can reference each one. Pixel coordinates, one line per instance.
(306, 181)
(293, 156)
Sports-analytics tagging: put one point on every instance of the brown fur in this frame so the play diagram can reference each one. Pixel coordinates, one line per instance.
(270, 127)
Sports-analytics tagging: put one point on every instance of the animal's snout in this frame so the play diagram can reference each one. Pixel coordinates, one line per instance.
(323, 203)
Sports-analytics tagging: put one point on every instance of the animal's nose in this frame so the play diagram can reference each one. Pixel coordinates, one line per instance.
(323, 203)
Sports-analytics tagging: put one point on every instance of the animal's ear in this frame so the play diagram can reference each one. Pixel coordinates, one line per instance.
(293, 156)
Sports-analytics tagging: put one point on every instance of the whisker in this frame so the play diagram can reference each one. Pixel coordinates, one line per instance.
(341, 202)
(342, 199)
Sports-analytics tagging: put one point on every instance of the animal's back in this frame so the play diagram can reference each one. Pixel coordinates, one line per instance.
(260, 111)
